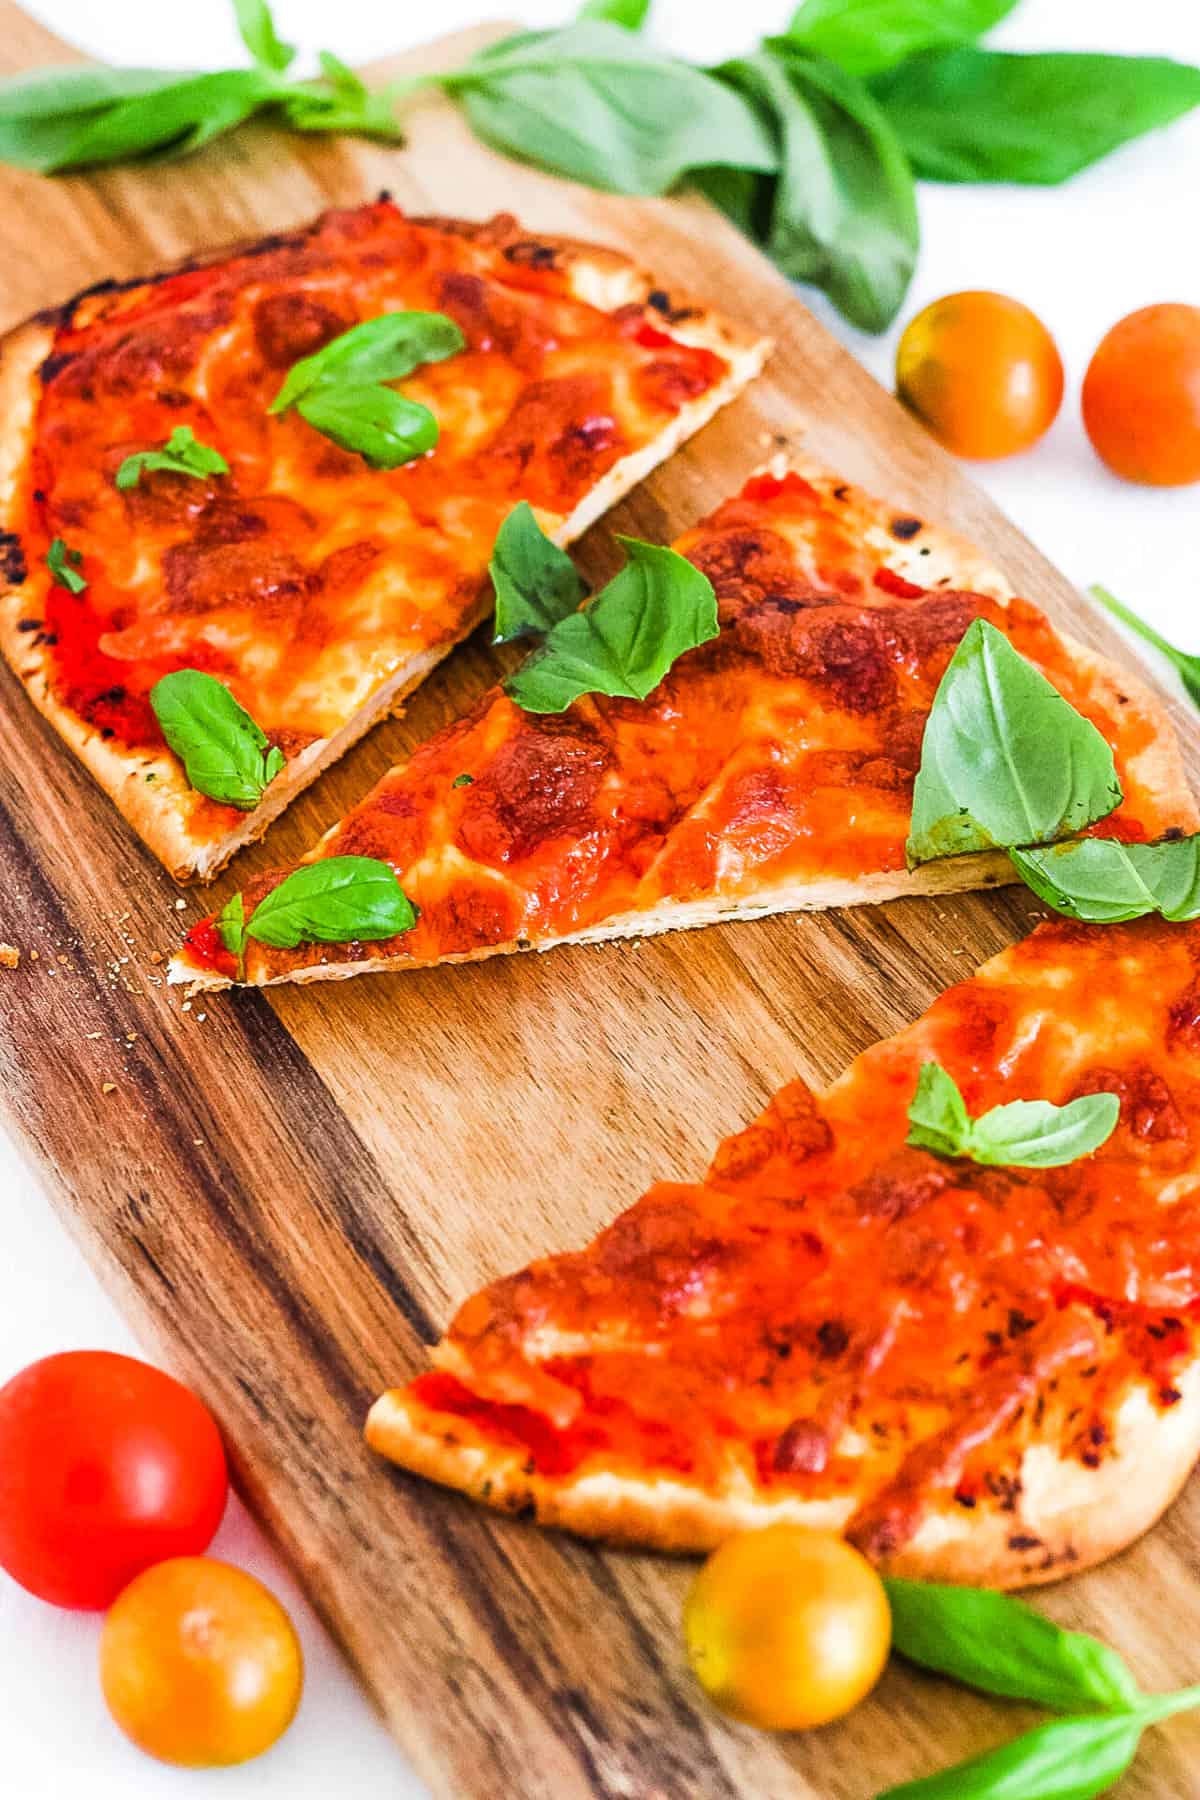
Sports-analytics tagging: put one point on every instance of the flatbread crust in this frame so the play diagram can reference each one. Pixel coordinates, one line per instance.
(1031, 1401)
(911, 550)
(195, 839)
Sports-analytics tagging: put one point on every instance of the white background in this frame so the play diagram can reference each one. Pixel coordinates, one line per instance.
(1123, 235)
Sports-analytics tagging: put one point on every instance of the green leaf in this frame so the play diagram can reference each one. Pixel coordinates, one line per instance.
(841, 211)
(1024, 1134)
(463, 781)
(224, 753)
(258, 33)
(1005, 760)
(386, 348)
(867, 36)
(336, 900)
(595, 102)
(57, 92)
(536, 583)
(63, 566)
(1001, 1646)
(630, 14)
(183, 454)
(1071, 1759)
(385, 428)
(341, 78)
(990, 115)
(1103, 881)
(231, 929)
(625, 640)
(937, 1115)
(171, 120)
(1188, 667)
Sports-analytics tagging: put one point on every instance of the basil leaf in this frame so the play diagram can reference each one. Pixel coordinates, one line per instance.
(1071, 1759)
(1005, 759)
(1188, 667)
(625, 640)
(386, 348)
(1103, 881)
(231, 929)
(183, 454)
(463, 781)
(867, 36)
(336, 900)
(62, 564)
(937, 1114)
(174, 120)
(1001, 1646)
(631, 14)
(1024, 1134)
(536, 583)
(841, 211)
(257, 29)
(990, 115)
(385, 428)
(595, 102)
(224, 753)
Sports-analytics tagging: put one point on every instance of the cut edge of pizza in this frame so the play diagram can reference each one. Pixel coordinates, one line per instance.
(839, 1330)
(911, 556)
(148, 784)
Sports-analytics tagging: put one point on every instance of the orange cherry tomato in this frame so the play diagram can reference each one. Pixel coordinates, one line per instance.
(787, 1628)
(1141, 396)
(982, 372)
(200, 1664)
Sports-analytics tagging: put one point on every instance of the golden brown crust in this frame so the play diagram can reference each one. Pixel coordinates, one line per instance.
(149, 788)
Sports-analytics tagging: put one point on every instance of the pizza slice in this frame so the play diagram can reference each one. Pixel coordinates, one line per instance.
(772, 769)
(978, 1373)
(156, 515)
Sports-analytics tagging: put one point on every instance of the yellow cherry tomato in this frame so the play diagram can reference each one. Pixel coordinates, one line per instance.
(199, 1664)
(787, 1628)
(981, 372)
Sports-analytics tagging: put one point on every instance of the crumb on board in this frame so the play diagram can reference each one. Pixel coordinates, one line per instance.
(10, 956)
(108, 1087)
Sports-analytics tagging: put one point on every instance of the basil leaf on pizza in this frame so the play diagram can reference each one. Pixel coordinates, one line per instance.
(1024, 1134)
(997, 1644)
(536, 583)
(225, 754)
(626, 638)
(1005, 760)
(63, 564)
(383, 349)
(231, 926)
(182, 454)
(385, 428)
(1069, 1759)
(336, 900)
(1103, 881)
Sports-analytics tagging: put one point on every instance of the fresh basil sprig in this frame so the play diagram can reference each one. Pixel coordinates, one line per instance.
(339, 390)
(336, 900)
(1024, 1134)
(1187, 667)
(536, 583)
(224, 753)
(1001, 1646)
(631, 14)
(986, 778)
(57, 119)
(626, 638)
(867, 36)
(1103, 881)
(182, 454)
(63, 564)
(988, 115)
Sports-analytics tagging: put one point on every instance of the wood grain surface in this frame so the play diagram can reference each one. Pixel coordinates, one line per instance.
(290, 1195)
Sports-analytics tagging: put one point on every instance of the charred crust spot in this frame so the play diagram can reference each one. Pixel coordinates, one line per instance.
(528, 253)
(1170, 1396)
(832, 1338)
(29, 624)
(13, 569)
(1018, 1322)
(54, 364)
(1024, 1540)
(967, 1500)
(659, 300)
(905, 528)
(1173, 833)
(840, 492)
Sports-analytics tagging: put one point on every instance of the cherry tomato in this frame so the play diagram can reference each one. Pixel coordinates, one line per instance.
(199, 1664)
(106, 1466)
(787, 1628)
(982, 372)
(1141, 396)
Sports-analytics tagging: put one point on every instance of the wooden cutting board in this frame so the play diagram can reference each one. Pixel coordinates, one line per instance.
(291, 1194)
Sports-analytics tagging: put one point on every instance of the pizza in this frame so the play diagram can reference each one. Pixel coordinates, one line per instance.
(318, 589)
(771, 770)
(978, 1374)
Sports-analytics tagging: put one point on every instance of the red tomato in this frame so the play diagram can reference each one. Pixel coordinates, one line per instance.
(199, 1664)
(106, 1466)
